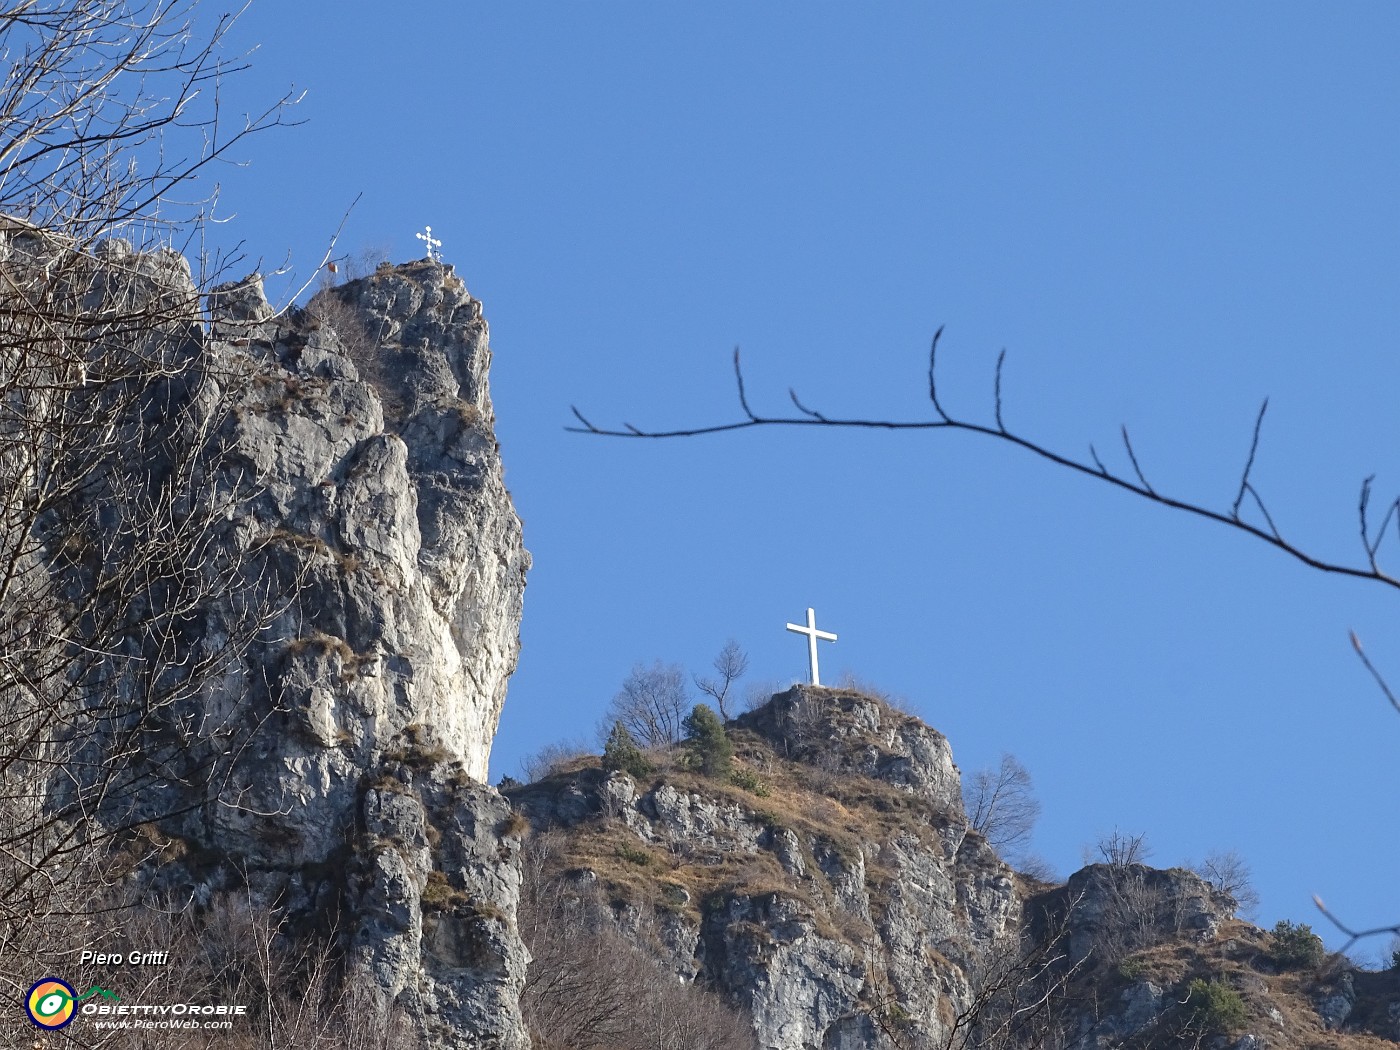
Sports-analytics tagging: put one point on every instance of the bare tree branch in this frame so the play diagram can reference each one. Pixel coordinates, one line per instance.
(1353, 935)
(115, 486)
(1249, 463)
(1135, 482)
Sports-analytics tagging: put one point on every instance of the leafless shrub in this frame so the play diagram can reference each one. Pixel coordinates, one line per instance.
(652, 705)
(759, 693)
(351, 267)
(1001, 806)
(802, 723)
(550, 758)
(849, 680)
(731, 664)
(1034, 866)
(590, 988)
(1118, 850)
(233, 951)
(1132, 916)
(361, 339)
(1227, 871)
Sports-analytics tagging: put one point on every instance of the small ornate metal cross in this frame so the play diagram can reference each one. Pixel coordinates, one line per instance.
(432, 242)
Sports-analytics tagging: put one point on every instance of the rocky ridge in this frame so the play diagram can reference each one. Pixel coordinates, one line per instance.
(843, 883)
(832, 889)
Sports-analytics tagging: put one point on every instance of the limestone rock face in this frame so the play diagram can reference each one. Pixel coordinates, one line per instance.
(844, 901)
(1111, 901)
(369, 428)
(345, 675)
(434, 887)
(379, 500)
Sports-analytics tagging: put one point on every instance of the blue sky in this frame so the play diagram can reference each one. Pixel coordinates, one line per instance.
(1163, 212)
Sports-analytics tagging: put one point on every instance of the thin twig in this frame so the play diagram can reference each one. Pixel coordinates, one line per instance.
(932, 382)
(743, 398)
(803, 408)
(1001, 358)
(1132, 458)
(1249, 463)
(1380, 681)
(587, 426)
(1259, 502)
(1390, 512)
(1362, 504)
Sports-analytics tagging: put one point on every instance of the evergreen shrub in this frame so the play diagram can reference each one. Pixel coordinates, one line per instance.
(1215, 1006)
(1295, 946)
(621, 752)
(706, 746)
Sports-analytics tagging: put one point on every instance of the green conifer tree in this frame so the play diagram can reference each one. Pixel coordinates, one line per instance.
(707, 748)
(621, 752)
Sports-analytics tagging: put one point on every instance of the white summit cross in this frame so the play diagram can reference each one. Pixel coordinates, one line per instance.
(812, 635)
(432, 242)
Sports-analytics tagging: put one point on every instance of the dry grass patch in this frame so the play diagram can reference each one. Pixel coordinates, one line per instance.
(440, 895)
(514, 825)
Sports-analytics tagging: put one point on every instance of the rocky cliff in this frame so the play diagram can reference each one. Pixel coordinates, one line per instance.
(366, 427)
(299, 526)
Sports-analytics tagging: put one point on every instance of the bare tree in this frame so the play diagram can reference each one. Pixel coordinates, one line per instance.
(1001, 806)
(548, 759)
(731, 664)
(113, 487)
(1228, 872)
(112, 110)
(1020, 995)
(652, 705)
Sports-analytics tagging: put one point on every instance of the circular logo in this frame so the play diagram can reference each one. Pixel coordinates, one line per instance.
(50, 1003)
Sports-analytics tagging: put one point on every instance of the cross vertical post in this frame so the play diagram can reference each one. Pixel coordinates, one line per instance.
(812, 635)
